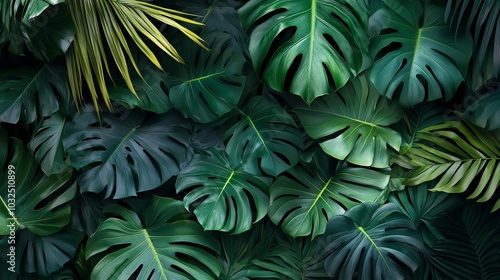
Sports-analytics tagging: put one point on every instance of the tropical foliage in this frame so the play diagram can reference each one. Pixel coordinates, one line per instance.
(260, 139)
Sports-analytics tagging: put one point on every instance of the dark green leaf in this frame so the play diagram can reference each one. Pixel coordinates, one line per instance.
(87, 213)
(306, 42)
(307, 196)
(265, 137)
(376, 241)
(416, 62)
(482, 106)
(150, 89)
(33, 91)
(223, 196)
(352, 124)
(210, 84)
(46, 254)
(37, 7)
(40, 203)
(46, 144)
(162, 245)
(127, 153)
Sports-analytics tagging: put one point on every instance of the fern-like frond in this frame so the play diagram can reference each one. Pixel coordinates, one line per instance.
(464, 156)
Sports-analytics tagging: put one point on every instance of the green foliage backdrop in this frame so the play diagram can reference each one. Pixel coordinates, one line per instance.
(253, 139)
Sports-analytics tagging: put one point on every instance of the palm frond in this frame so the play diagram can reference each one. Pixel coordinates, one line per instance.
(464, 156)
(102, 25)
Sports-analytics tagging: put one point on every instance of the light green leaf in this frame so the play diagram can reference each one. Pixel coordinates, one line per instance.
(306, 42)
(162, 245)
(352, 124)
(416, 62)
(457, 152)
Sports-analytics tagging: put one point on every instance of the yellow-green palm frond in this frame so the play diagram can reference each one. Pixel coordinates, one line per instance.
(102, 23)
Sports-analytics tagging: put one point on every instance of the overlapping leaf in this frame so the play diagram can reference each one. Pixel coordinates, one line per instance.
(210, 84)
(40, 203)
(457, 152)
(318, 38)
(46, 144)
(161, 245)
(127, 153)
(29, 92)
(307, 196)
(266, 137)
(224, 197)
(482, 106)
(352, 124)
(417, 62)
(371, 240)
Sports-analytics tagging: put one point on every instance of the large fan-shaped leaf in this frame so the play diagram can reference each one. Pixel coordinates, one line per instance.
(319, 38)
(417, 62)
(128, 153)
(376, 241)
(47, 146)
(482, 106)
(28, 92)
(223, 196)
(457, 152)
(352, 124)
(163, 245)
(36, 202)
(210, 84)
(307, 196)
(266, 136)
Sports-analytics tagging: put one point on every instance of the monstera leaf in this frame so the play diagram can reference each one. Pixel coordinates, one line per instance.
(49, 29)
(211, 83)
(458, 152)
(306, 197)
(163, 244)
(376, 241)
(225, 198)
(484, 111)
(128, 153)
(87, 213)
(35, 201)
(266, 136)
(46, 144)
(299, 45)
(28, 92)
(46, 254)
(352, 124)
(150, 90)
(416, 62)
